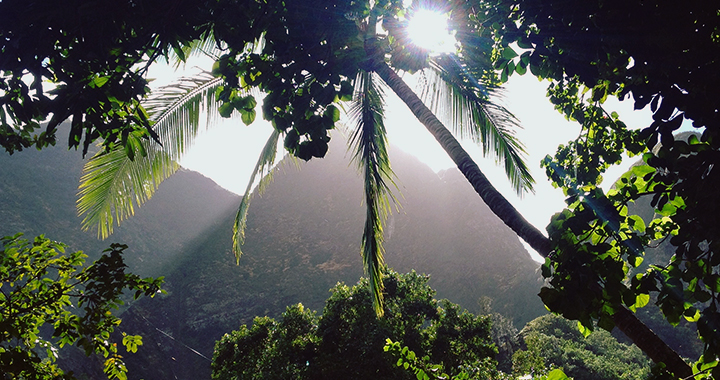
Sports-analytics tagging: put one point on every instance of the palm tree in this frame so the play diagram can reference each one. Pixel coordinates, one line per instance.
(297, 61)
(113, 180)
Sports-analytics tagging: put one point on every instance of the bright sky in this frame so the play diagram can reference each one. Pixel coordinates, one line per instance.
(227, 152)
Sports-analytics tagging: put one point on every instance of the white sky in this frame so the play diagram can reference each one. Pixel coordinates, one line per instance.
(227, 152)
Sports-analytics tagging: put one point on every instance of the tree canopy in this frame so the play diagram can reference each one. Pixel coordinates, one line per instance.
(554, 342)
(347, 341)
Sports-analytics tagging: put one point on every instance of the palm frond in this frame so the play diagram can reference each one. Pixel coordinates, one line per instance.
(200, 47)
(177, 108)
(263, 168)
(112, 184)
(453, 92)
(370, 144)
(115, 183)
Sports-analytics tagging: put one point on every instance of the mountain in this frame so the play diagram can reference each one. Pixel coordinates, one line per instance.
(303, 236)
(38, 193)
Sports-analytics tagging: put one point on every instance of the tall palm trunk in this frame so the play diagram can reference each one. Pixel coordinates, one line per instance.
(497, 203)
(625, 320)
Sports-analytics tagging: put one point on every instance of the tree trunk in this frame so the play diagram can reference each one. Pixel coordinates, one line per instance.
(625, 320)
(497, 203)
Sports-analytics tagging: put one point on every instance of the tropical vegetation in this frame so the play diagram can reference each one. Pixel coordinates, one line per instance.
(347, 340)
(662, 55)
(551, 342)
(303, 74)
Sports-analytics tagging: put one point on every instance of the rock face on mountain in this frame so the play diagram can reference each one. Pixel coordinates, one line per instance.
(303, 236)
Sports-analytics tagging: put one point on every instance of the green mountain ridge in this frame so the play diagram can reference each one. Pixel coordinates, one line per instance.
(303, 237)
(38, 193)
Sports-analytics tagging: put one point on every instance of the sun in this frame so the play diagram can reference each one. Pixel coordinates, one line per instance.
(428, 29)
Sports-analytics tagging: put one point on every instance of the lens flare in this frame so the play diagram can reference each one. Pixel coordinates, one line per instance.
(429, 30)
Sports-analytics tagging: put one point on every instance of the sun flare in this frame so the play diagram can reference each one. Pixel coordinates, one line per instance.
(429, 30)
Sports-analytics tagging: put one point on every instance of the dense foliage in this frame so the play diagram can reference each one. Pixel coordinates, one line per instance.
(44, 289)
(554, 342)
(437, 232)
(96, 54)
(662, 55)
(305, 60)
(347, 341)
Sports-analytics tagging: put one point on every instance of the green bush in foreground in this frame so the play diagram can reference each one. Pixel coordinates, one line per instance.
(43, 288)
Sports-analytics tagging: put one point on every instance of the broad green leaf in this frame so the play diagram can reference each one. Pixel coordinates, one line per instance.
(333, 112)
(583, 330)
(636, 261)
(509, 53)
(557, 374)
(98, 82)
(642, 170)
(641, 300)
(247, 116)
(226, 109)
(637, 223)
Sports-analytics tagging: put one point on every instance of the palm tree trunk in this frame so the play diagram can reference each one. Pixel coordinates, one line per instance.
(625, 320)
(497, 203)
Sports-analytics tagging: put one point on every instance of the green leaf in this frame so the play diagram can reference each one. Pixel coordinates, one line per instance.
(635, 261)
(226, 110)
(250, 103)
(263, 170)
(98, 82)
(641, 170)
(112, 184)
(641, 300)
(346, 91)
(456, 101)
(692, 314)
(637, 223)
(370, 144)
(509, 53)
(247, 116)
(557, 374)
(333, 112)
(583, 330)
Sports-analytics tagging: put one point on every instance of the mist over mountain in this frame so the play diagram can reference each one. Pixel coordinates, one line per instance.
(303, 236)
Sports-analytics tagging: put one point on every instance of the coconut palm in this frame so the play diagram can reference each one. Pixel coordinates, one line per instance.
(115, 182)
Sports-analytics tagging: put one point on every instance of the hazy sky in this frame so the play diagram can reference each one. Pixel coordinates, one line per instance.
(227, 152)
